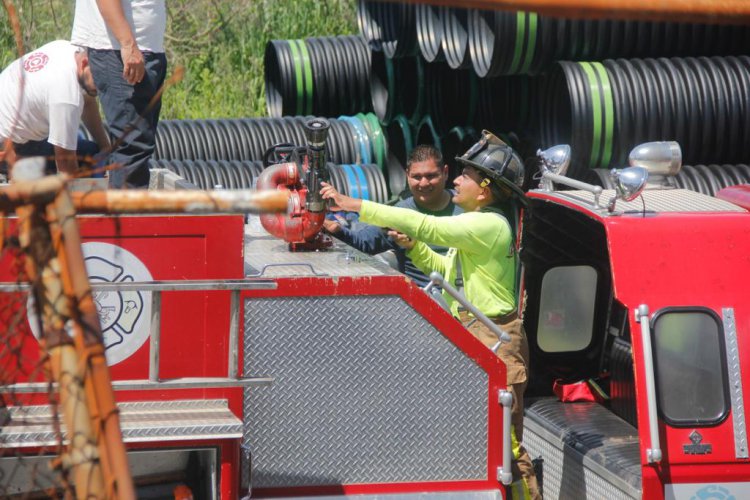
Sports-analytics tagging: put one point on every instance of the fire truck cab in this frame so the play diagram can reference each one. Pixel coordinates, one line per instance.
(648, 299)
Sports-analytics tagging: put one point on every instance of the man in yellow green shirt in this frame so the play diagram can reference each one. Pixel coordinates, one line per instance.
(481, 258)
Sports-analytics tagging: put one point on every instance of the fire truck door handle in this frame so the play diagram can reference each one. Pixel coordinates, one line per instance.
(653, 454)
(504, 474)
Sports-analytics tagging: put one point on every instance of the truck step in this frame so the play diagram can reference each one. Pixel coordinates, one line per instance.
(141, 421)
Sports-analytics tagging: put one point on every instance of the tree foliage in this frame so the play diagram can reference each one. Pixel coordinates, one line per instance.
(219, 42)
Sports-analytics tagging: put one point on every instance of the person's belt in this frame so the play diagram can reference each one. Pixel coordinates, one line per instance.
(506, 318)
(503, 318)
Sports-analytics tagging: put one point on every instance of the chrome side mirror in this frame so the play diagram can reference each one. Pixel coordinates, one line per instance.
(555, 161)
(660, 158)
(629, 184)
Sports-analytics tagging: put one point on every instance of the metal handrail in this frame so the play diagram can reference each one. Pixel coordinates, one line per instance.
(163, 285)
(504, 473)
(502, 336)
(653, 454)
(154, 381)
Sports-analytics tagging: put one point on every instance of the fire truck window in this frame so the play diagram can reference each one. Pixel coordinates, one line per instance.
(688, 364)
(566, 308)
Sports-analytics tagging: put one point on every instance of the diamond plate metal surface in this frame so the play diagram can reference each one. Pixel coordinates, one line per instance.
(365, 391)
(735, 383)
(270, 257)
(140, 421)
(566, 475)
(658, 200)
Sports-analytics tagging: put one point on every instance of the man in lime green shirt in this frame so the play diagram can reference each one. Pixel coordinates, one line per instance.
(481, 258)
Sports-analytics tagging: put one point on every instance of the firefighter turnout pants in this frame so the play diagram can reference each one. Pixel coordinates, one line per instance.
(515, 355)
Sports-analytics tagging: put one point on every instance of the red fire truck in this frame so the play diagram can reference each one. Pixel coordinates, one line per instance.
(244, 369)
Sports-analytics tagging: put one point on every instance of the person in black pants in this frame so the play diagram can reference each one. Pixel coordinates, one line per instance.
(125, 42)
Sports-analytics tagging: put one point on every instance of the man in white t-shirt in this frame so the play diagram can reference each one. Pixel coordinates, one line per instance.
(125, 41)
(43, 97)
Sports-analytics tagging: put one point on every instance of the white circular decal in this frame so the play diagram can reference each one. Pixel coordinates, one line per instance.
(125, 316)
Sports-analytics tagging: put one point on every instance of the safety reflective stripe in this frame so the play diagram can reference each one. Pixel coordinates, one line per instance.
(519, 489)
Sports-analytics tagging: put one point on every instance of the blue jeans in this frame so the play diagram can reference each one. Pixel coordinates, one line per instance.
(85, 150)
(132, 123)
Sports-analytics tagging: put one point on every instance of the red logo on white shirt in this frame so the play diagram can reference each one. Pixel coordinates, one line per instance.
(35, 62)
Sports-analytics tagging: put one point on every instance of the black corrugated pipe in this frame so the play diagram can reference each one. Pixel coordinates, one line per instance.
(426, 133)
(211, 174)
(451, 96)
(246, 138)
(285, 87)
(409, 73)
(710, 179)
(360, 181)
(455, 42)
(455, 143)
(369, 24)
(400, 135)
(324, 76)
(400, 143)
(383, 87)
(603, 110)
(388, 27)
(706, 179)
(503, 43)
(396, 85)
(508, 104)
(429, 27)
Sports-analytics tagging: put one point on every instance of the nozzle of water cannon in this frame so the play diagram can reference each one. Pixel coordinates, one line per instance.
(316, 132)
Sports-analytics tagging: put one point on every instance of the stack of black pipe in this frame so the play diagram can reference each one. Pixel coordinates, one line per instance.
(387, 27)
(450, 96)
(322, 76)
(443, 35)
(396, 87)
(359, 181)
(605, 109)
(211, 174)
(429, 28)
(710, 179)
(496, 42)
(706, 179)
(246, 139)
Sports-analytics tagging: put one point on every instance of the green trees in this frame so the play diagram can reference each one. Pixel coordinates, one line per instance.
(219, 42)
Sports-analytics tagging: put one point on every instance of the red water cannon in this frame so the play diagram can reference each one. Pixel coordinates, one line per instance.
(299, 170)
